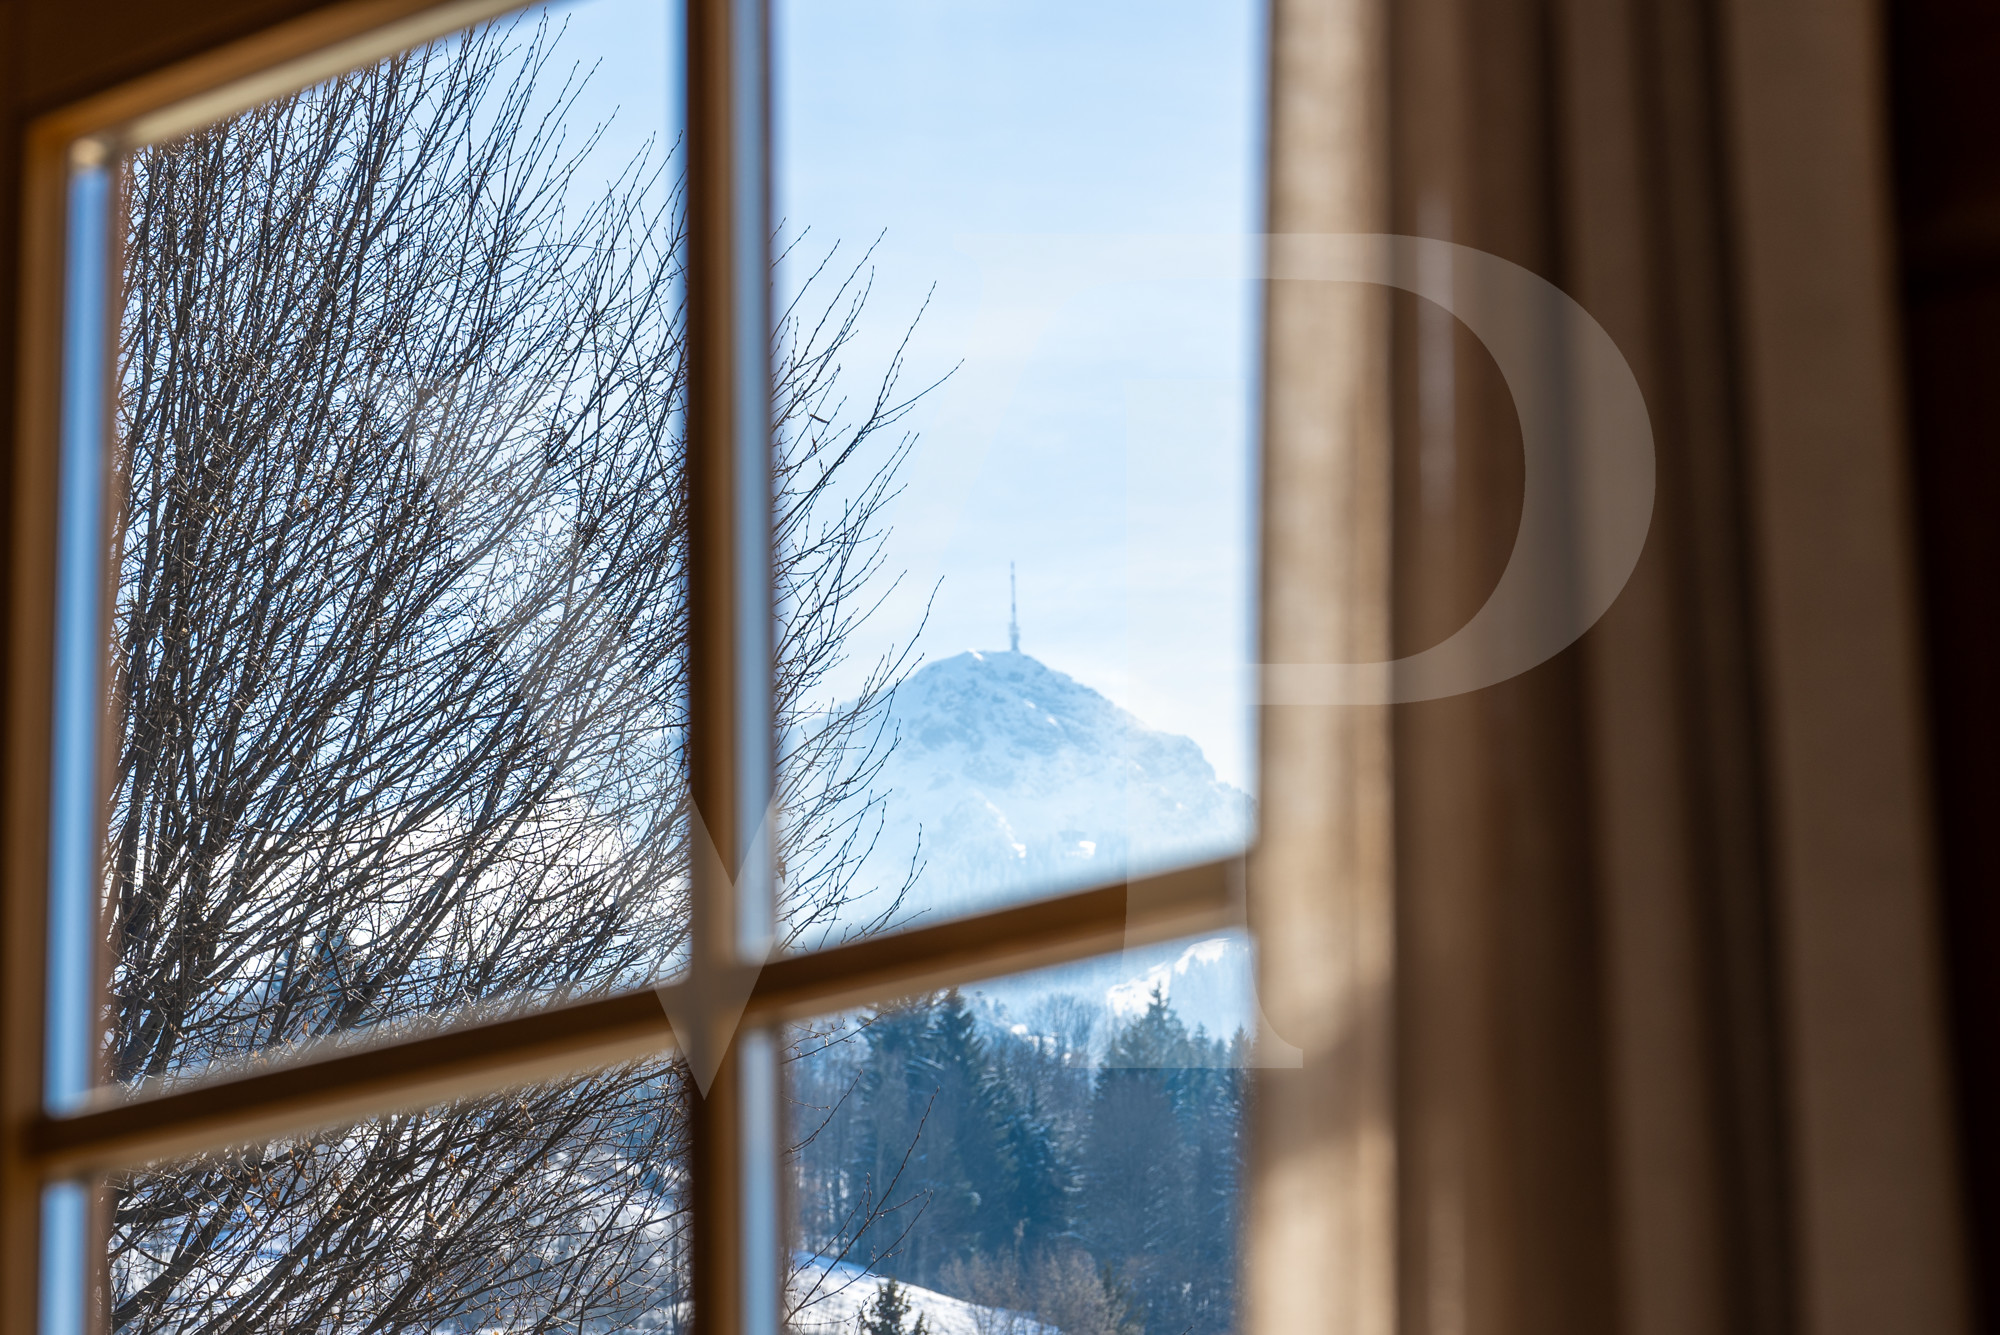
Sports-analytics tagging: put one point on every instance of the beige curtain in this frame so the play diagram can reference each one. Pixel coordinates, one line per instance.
(1617, 980)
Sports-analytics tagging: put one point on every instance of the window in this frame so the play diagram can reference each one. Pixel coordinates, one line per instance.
(1608, 985)
(485, 804)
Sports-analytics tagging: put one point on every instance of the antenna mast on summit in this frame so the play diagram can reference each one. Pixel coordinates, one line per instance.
(1013, 614)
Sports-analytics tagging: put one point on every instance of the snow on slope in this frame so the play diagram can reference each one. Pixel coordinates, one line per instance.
(837, 1292)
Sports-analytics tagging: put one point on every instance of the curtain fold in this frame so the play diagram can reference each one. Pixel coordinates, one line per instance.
(1564, 952)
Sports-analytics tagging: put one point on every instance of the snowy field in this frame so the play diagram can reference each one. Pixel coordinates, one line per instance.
(835, 1294)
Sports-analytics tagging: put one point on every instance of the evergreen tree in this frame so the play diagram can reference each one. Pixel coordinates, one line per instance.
(885, 1186)
(1160, 1172)
(1044, 1181)
(958, 1157)
(887, 1314)
(971, 1172)
(1139, 1167)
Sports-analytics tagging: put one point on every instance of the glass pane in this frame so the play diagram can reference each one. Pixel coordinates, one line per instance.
(558, 1207)
(1055, 1150)
(1023, 232)
(398, 626)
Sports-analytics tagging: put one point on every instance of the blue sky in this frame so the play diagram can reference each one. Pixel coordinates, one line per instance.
(1014, 155)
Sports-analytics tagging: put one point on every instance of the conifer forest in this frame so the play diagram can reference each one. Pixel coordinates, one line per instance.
(1074, 1169)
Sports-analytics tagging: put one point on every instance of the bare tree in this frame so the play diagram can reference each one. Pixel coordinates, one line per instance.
(1060, 1292)
(399, 670)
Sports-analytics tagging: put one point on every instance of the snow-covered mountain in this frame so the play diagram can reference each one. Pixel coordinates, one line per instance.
(1020, 780)
(1010, 779)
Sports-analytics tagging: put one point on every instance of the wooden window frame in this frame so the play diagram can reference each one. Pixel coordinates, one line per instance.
(734, 1288)
(1790, 432)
